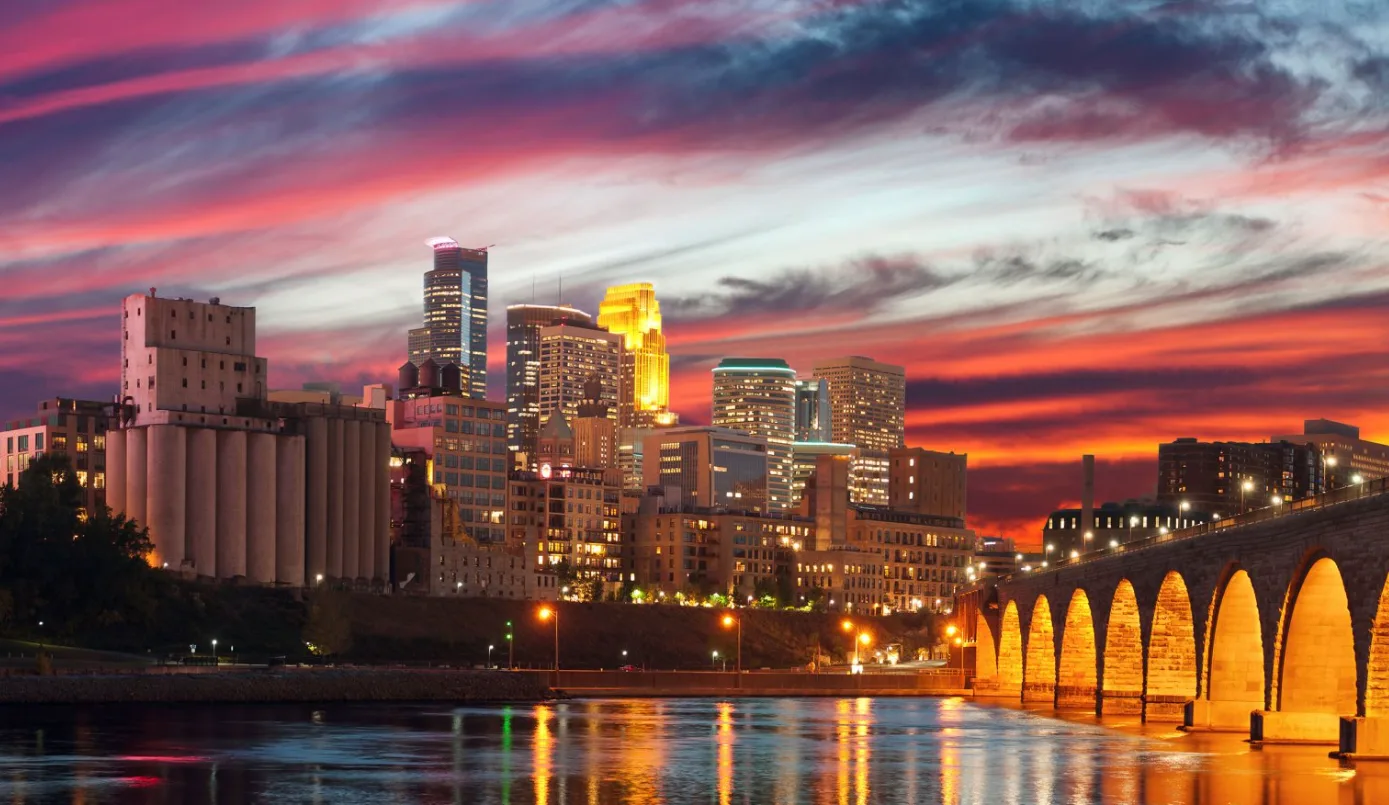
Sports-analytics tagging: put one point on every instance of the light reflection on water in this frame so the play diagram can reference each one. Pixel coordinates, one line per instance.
(816, 751)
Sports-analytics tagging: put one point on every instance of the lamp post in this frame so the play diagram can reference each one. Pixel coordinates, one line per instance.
(548, 613)
(1133, 521)
(1326, 462)
(1245, 486)
(214, 652)
(1184, 506)
(730, 622)
(489, 654)
(510, 648)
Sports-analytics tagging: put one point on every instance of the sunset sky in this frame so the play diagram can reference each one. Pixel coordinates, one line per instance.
(1082, 226)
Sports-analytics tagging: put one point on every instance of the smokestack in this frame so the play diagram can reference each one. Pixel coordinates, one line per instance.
(1087, 500)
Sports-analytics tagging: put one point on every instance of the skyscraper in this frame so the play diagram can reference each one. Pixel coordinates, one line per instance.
(707, 467)
(455, 313)
(572, 357)
(868, 408)
(758, 397)
(633, 312)
(523, 325)
(813, 410)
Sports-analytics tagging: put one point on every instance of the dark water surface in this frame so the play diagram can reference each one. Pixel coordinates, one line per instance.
(753, 751)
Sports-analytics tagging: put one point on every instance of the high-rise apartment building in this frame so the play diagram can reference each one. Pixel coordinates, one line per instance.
(455, 313)
(813, 410)
(927, 482)
(632, 312)
(572, 357)
(868, 409)
(758, 397)
(1228, 478)
(1347, 456)
(707, 467)
(523, 326)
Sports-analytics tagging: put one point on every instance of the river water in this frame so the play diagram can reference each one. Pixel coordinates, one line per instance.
(753, 751)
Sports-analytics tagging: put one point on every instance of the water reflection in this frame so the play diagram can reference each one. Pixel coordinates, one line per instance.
(835, 752)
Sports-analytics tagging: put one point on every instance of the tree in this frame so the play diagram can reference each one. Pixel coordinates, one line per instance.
(75, 572)
(328, 630)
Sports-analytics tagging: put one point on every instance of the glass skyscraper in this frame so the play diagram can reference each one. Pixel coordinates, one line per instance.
(455, 314)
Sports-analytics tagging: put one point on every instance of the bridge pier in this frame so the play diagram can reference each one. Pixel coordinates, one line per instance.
(1165, 708)
(1268, 726)
(1039, 692)
(1121, 703)
(1204, 715)
(1075, 698)
(1364, 738)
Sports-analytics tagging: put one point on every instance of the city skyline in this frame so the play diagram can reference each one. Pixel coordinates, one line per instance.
(1189, 243)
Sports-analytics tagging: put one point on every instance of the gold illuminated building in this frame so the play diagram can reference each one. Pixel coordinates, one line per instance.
(633, 312)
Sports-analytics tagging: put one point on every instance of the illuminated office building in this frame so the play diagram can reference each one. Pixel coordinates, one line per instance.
(813, 410)
(632, 312)
(707, 467)
(868, 409)
(757, 396)
(572, 357)
(523, 326)
(455, 314)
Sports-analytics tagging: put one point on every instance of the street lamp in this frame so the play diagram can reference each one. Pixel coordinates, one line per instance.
(1277, 501)
(489, 654)
(547, 613)
(510, 648)
(1184, 506)
(1357, 479)
(716, 659)
(1327, 461)
(1114, 543)
(1246, 486)
(728, 623)
(1133, 521)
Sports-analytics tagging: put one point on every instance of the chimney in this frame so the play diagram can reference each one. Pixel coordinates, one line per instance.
(1087, 500)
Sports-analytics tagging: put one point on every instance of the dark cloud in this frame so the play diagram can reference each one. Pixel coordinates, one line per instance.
(1019, 497)
(1374, 72)
(862, 285)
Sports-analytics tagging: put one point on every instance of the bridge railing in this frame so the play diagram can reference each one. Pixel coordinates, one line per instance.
(1372, 488)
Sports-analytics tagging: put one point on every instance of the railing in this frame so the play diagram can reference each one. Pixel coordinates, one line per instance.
(1335, 497)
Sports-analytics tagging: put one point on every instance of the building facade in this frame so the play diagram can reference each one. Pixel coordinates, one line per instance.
(702, 551)
(633, 312)
(571, 516)
(927, 482)
(1346, 455)
(757, 396)
(572, 357)
(523, 326)
(75, 428)
(455, 313)
(813, 422)
(868, 408)
(1228, 478)
(707, 467)
(433, 554)
(1064, 533)
(805, 457)
(464, 440)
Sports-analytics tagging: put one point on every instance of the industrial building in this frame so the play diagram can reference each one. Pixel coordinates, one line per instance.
(230, 484)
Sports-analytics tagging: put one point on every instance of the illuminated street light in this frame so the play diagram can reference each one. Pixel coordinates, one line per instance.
(951, 630)
(546, 613)
(1277, 500)
(1074, 553)
(1089, 535)
(1246, 486)
(728, 623)
(1357, 479)
(1114, 543)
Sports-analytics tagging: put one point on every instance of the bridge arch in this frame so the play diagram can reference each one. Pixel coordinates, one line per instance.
(1232, 671)
(1377, 669)
(1171, 652)
(1123, 654)
(1316, 660)
(1010, 656)
(1039, 672)
(1078, 674)
(985, 653)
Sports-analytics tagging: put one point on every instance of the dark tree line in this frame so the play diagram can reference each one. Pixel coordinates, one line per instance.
(76, 574)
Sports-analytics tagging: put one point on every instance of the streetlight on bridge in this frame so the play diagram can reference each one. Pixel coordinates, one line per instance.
(728, 623)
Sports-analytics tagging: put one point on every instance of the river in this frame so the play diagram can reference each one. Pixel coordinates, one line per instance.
(752, 751)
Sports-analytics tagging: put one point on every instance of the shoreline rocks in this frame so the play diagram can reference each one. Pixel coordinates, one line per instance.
(278, 686)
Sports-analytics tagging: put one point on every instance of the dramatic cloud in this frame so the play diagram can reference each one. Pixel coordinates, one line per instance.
(1083, 227)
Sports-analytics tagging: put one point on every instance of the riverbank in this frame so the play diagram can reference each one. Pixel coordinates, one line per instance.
(280, 686)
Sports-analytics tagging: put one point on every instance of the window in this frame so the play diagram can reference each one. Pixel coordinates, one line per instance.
(173, 334)
(38, 441)
(185, 382)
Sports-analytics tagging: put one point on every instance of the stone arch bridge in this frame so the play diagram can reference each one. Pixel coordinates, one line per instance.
(1275, 623)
